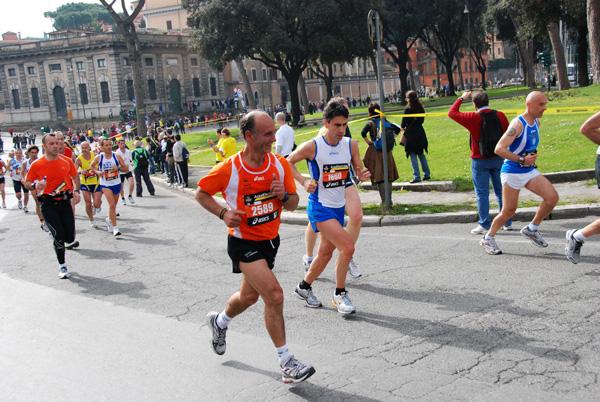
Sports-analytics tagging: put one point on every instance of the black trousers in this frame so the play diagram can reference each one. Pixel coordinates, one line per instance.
(59, 218)
(139, 173)
(182, 172)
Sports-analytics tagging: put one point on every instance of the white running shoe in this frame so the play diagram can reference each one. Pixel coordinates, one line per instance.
(294, 371)
(98, 210)
(109, 225)
(490, 246)
(20, 204)
(308, 296)
(535, 236)
(507, 228)
(479, 230)
(123, 201)
(25, 209)
(306, 262)
(573, 247)
(131, 200)
(343, 304)
(3, 205)
(116, 231)
(93, 225)
(45, 227)
(63, 273)
(217, 339)
(353, 269)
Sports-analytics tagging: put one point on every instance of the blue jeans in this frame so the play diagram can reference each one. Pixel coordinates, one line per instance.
(414, 160)
(482, 171)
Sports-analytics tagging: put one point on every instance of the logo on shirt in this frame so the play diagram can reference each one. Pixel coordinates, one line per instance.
(259, 178)
(333, 153)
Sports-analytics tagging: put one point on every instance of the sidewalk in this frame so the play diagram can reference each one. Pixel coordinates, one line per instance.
(571, 187)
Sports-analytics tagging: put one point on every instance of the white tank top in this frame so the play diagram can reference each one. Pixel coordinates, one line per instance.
(110, 167)
(330, 168)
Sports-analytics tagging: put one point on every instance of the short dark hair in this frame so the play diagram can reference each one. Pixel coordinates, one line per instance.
(47, 135)
(178, 137)
(335, 107)
(169, 131)
(33, 147)
(248, 123)
(481, 99)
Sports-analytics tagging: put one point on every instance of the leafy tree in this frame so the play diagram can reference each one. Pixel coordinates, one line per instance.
(574, 14)
(402, 22)
(79, 15)
(281, 35)
(134, 48)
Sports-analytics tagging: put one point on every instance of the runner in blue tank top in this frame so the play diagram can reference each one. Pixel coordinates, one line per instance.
(330, 157)
(518, 147)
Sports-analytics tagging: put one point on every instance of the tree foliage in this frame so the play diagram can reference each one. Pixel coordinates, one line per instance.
(79, 15)
(283, 35)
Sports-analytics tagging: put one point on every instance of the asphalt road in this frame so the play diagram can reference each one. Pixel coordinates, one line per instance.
(437, 318)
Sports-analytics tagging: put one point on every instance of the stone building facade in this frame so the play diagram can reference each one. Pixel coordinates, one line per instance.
(90, 76)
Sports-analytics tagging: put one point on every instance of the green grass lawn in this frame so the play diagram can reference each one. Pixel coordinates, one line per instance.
(561, 148)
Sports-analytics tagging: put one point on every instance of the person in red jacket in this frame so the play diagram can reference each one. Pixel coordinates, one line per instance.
(482, 169)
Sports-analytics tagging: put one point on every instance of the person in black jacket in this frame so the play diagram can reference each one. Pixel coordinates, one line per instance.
(415, 139)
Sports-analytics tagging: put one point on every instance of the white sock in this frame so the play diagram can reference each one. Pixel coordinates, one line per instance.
(579, 236)
(62, 265)
(223, 320)
(487, 236)
(284, 355)
(533, 227)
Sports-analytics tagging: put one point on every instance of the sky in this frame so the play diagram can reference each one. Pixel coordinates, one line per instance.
(27, 16)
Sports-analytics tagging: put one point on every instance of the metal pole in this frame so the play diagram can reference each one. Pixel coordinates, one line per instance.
(386, 183)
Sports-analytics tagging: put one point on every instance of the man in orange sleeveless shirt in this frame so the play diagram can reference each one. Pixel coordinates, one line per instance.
(256, 184)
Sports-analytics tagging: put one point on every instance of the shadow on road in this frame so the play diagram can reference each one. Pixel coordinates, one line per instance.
(107, 287)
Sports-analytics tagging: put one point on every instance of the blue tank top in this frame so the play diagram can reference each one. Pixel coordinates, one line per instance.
(525, 143)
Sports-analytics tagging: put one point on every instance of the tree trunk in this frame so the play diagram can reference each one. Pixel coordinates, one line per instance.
(329, 81)
(582, 64)
(559, 56)
(437, 74)
(403, 74)
(303, 93)
(134, 48)
(292, 78)
(525, 49)
(450, 78)
(413, 80)
(240, 65)
(593, 13)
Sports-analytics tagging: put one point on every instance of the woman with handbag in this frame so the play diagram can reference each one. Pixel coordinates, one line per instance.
(414, 138)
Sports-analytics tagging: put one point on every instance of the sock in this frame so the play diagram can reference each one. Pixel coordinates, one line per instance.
(340, 291)
(533, 227)
(223, 320)
(64, 265)
(579, 236)
(310, 259)
(284, 355)
(488, 237)
(304, 285)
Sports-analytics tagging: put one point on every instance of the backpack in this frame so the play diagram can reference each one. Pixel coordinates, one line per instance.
(390, 136)
(185, 154)
(141, 159)
(491, 132)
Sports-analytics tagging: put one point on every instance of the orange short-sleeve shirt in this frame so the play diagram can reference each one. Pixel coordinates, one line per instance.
(249, 190)
(58, 174)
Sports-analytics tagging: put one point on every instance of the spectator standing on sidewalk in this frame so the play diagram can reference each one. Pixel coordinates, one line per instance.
(229, 145)
(483, 169)
(415, 144)
(141, 162)
(285, 136)
(181, 155)
(215, 148)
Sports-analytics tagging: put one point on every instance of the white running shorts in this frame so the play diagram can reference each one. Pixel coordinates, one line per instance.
(518, 180)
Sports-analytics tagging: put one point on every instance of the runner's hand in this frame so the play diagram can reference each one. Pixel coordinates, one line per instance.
(277, 187)
(363, 174)
(232, 218)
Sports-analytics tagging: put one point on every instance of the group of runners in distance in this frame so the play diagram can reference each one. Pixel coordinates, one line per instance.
(258, 184)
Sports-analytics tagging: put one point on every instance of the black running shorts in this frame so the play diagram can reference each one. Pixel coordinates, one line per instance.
(241, 250)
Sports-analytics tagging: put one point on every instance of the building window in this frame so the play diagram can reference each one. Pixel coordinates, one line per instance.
(148, 61)
(126, 62)
(196, 83)
(16, 99)
(55, 67)
(83, 95)
(254, 78)
(335, 70)
(152, 89)
(12, 72)
(130, 92)
(172, 62)
(169, 25)
(466, 66)
(102, 63)
(31, 70)
(80, 65)
(35, 98)
(194, 62)
(213, 86)
(264, 74)
(105, 93)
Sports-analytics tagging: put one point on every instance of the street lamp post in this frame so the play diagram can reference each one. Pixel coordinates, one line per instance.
(469, 40)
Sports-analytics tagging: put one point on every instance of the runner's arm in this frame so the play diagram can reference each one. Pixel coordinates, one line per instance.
(208, 202)
(591, 128)
(304, 151)
(508, 138)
